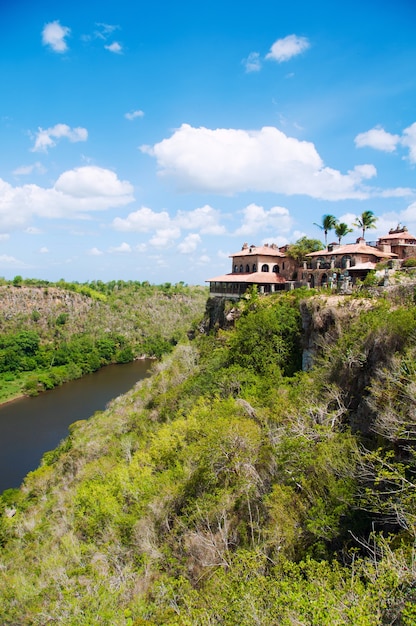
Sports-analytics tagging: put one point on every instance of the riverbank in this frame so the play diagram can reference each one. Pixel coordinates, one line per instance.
(21, 379)
(29, 427)
(13, 399)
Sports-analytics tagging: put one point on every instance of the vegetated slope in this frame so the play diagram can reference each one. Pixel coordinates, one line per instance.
(231, 488)
(53, 333)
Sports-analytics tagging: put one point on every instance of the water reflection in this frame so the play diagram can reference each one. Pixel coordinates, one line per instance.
(31, 426)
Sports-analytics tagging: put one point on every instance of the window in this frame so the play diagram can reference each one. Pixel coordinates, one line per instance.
(276, 269)
(265, 268)
(247, 268)
(241, 269)
(236, 268)
(254, 267)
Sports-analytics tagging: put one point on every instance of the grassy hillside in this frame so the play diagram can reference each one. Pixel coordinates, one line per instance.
(231, 488)
(50, 333)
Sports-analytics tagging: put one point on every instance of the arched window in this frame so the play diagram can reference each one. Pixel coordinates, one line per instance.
(276, 269)
(236, 268)
(241, 269)
(265, 268)
(254, 267)
(247, 268)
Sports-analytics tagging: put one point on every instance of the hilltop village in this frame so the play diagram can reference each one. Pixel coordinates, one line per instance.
(274, 268)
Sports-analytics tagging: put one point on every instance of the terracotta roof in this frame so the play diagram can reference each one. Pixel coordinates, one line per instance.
(256, 278)
(263, 250)
(362, 266)
(402, 235)
(353, 248)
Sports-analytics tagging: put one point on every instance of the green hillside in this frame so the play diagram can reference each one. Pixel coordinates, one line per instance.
(54, 332)
(232, 488)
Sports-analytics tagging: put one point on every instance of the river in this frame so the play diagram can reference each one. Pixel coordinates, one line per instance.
(31, 426)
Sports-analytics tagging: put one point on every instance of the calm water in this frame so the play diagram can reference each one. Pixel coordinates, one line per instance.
(31, 426)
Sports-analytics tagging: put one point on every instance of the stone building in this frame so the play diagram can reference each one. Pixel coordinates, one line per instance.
(400, 242)
(266, 266)
(272, 269)
(353, 260)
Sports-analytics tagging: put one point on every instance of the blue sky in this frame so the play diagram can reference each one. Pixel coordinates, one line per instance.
(148, 140)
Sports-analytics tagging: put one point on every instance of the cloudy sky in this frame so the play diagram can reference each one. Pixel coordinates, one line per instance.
(148, 141)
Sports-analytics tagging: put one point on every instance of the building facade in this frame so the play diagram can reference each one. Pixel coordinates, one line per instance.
(272, 269)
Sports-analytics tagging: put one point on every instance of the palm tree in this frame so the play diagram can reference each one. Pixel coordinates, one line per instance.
(366, 220)
(341, 230)
(328, 223)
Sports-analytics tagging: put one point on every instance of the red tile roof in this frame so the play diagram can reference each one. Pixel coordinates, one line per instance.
(401, 235)
(256, 278)
(262, 250)
(352, 248)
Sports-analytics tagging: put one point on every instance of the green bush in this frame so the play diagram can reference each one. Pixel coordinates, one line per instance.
(268, 337)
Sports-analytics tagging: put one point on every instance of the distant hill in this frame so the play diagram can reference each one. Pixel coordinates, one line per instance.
(82, 327)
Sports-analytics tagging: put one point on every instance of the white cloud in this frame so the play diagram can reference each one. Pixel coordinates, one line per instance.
(378, 139)
(204, 259)
(205, 219)
(104, 30)
(32, 230)
(409, 214)
(54, 34)
(142, 221)
(11, 261)
(44, 250)
(133, 115)
(114, 47)
(288, 47)
(252, 62)
(123, 248)
(75, 194)
(409, 140)
(229, 161)
(385, 221)
(189, 244)
(44, 138)
(91, 181)
(257, 219)
(398, 192)
(25, 170)
(4, 236)
(363, 172)
(165, 237)
(95, 252)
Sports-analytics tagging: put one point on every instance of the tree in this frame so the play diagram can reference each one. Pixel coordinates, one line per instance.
(302, 247)
(328, 223)
(341, 230)
(366, 220)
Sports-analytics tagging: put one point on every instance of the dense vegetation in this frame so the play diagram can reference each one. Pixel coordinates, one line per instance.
(232, 488)
(51, 333)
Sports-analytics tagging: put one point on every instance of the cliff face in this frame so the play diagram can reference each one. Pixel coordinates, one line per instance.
(323, 319)
(327, 321)
(219, 313)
